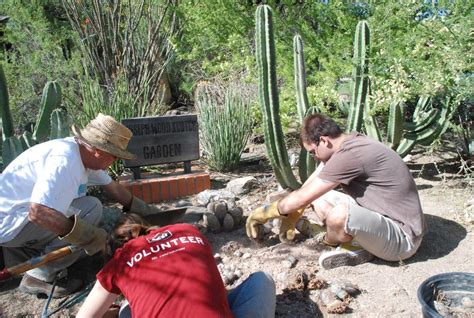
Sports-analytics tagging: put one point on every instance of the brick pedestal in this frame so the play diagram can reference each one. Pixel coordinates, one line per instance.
(156, 188)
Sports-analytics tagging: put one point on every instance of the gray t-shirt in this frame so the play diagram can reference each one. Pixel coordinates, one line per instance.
(378, 179)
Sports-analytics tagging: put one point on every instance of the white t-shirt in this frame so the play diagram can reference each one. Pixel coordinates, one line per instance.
(51, 174)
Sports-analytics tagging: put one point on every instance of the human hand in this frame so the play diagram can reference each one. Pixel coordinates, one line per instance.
(259, 216)
(140, 207)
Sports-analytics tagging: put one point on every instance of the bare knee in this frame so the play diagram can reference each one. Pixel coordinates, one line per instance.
(336, 221)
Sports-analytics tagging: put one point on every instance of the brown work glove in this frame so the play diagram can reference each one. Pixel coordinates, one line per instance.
(140, 207)
(288, 224)
(260, 216)
(90, 238)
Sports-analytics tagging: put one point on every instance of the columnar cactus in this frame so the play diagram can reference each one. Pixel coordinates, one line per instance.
(50, 100)
(7, 124)
(269, 102)
(306, 163)
(360, 79)
(428, 122)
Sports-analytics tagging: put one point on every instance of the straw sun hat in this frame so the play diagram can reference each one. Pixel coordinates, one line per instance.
(107, 134)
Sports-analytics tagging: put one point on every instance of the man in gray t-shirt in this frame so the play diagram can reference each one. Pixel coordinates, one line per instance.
(379, 214)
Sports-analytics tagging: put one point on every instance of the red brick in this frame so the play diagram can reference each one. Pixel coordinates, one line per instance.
(146, 191)
(136, 190)
(174, 192)
(155, 190)
(182, 187)
(199, 183)
(165, 189)
(207, 181)
(191, 182)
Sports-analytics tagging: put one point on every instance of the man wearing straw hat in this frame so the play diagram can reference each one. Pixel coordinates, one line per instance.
(43, 202)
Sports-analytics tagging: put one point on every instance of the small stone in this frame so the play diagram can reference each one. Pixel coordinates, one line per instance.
(246, 256)
(238, 253)
(238, 273)
(220, 210)
(281, 277)
(237, 214)
(289, 262)
(327, 297)
(211, 207)
(467, 302)
(211, 222)
(228, 223)
(217, 257)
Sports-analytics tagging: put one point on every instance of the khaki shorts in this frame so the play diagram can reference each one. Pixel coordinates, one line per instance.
(379, 235)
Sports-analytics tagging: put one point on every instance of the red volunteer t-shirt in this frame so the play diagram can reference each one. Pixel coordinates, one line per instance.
(170, 272)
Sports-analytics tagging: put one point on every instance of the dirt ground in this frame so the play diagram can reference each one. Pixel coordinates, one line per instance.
(386, 289)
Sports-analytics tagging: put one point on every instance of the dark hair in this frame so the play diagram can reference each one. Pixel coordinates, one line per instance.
(125, 230)
(317, 125)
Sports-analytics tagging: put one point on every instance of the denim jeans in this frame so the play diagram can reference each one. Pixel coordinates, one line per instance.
(254, 298)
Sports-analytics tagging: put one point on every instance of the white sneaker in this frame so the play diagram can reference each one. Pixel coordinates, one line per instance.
(347, 254)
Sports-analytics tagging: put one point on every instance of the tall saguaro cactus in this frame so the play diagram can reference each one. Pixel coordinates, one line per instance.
(306, 163)
(360, 79)
(269, 101)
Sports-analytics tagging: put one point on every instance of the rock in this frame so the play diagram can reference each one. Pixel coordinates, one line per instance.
(211, 222)
(206, 196)
(217, 257)
(241, 185)
(211, 207)
(289, 262)
(237, 214)
(336, 307)
(220, 210)
(228, 223)
(238, 254)
(274, 196)
(182, 203)
(246, 256)
(238, 273)
(327, 297)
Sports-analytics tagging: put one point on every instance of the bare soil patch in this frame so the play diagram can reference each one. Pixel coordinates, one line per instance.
(385, 289)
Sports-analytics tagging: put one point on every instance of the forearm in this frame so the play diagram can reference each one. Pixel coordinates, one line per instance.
(118, 193)
(49, 219)
(97, 302)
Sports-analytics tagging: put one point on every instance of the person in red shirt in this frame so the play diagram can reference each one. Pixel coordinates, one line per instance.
(171, 272)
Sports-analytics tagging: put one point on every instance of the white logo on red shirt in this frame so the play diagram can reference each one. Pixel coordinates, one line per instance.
(160, 236)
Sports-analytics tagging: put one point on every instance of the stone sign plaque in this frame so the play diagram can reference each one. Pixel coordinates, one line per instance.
(163, 139)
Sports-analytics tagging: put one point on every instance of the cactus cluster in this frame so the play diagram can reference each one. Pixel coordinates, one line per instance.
(52, 121)
(428, 122)
(269, 100)
(222, 216)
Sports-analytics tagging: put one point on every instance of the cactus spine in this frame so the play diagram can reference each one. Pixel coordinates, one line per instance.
(306, 163)
(269, 102)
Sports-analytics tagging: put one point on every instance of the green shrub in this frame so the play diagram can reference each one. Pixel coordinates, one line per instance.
(225, 125)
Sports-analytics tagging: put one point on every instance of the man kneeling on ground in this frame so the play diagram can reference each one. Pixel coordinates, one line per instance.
(379, 213)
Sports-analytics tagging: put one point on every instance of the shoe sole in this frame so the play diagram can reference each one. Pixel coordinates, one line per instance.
(34, 291)
(335, 259)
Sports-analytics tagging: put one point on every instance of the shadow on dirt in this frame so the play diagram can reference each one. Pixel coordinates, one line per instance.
(442, 238)
(285, 305)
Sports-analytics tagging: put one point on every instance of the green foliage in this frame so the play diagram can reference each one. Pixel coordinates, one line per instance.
(35, 47)
(225, 125)
(51, 121)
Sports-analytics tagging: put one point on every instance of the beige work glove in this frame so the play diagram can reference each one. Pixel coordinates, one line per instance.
(140, 207)
(90, 238)
(260, 216)
(288, 224)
